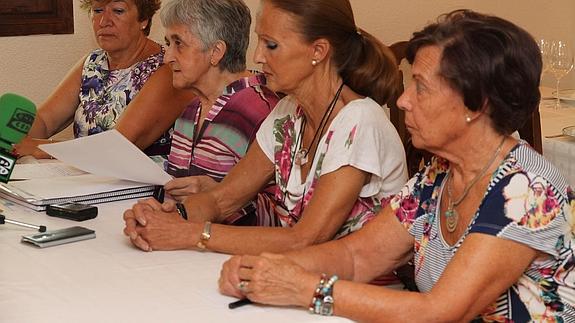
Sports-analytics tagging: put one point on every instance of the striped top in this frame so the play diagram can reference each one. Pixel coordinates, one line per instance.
(228, 129)
(527, 201)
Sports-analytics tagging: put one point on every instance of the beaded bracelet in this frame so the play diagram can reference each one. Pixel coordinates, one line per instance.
(322, 301)
(327, 301)
(317, 294)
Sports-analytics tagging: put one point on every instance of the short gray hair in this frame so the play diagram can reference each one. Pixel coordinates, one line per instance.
(213, 20)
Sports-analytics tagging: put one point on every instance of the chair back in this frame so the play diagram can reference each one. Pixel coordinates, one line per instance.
(415, 157)
(531, 131)
(396, 115)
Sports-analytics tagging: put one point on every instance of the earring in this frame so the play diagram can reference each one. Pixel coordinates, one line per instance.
(314, 62)
(467, 119)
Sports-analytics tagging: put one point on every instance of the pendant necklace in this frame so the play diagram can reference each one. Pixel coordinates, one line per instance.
(451, 215)
(302, 154)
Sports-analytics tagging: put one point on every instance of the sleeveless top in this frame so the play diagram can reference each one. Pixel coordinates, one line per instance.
(104, 95)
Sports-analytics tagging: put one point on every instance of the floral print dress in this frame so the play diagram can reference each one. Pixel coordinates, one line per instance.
(104, 95)
(527, 201)
(360, 135)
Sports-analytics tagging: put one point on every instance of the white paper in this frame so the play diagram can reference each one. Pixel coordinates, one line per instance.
(108, 154)
(69, 186)
(43, 170)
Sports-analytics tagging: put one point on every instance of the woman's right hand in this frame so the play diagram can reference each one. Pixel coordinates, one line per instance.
(29, 146)
(180, 188)
(267, 279)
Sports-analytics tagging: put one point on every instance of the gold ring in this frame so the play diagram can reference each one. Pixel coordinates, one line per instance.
(243, 285)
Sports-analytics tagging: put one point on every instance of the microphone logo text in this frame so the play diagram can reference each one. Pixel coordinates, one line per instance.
(21, 121)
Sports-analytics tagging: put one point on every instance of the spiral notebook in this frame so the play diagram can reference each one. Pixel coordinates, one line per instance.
(87, 188)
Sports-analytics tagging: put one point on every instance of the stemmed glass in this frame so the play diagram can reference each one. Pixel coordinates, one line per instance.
(545, 48)
(560, 63)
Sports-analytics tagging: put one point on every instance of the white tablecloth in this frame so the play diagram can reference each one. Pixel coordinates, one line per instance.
(559, 150)
(107, 280)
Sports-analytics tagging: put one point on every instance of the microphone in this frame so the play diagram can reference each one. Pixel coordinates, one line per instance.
(16, 117)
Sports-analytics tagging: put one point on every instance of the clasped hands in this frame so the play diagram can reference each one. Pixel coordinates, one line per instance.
(155, 226)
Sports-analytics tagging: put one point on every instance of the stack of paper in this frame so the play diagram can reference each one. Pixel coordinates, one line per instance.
(107, 167)
(91, 189)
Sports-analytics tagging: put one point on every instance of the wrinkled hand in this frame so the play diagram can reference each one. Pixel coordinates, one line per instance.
(269, 279)
(180, 188)
(229, 279)
(29, 146)
(150, 227)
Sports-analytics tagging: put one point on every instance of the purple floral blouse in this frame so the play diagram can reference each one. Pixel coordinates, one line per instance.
(104, 95)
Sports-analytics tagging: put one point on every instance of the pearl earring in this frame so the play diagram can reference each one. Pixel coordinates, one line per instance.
(314, 62)
(467, 119)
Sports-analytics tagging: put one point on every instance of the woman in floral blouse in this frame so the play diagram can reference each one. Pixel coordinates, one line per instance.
(488, 223)
(123, 84)
(334, 155)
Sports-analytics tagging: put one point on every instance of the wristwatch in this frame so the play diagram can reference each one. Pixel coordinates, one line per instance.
(205, 236)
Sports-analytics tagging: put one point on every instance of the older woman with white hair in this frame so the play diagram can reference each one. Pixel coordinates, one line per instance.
(206, 43)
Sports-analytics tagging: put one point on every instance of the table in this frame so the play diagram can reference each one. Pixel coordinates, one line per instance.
(559, 150)
(107, 280)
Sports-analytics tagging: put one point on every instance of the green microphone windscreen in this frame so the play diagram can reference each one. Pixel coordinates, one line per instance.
(16, 117)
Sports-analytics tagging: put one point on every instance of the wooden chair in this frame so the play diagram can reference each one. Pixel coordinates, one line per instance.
(396, 115)
(414, 156)
(531, 132)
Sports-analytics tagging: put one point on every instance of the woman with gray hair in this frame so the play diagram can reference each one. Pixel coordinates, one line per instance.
(206, 43)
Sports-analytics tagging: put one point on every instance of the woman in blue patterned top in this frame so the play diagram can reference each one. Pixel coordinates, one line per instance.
(488, 223)
(123, 84)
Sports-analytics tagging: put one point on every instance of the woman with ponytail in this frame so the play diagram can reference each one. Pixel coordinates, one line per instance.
(334, 155)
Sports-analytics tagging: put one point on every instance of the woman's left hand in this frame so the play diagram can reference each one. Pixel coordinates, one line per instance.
(29, 146)
(268, 279)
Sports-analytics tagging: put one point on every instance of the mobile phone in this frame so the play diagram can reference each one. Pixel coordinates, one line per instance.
(58, 237)
(72, 211)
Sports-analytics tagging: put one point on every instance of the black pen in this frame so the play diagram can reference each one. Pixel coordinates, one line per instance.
(241, 302)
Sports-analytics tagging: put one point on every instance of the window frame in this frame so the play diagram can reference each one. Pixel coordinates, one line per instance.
(25, 17)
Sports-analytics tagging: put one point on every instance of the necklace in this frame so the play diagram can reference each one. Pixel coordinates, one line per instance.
(133, 61)
(301, 155)
(451, 215)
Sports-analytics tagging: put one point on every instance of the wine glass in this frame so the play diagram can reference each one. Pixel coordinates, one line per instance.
(545, 48)
(560, 63)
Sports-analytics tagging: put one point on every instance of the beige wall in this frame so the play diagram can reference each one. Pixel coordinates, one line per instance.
(33, 65)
